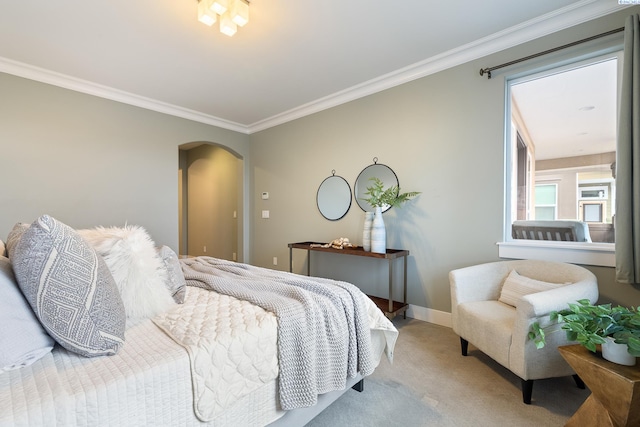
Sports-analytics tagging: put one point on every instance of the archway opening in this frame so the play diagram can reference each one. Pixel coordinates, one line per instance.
(210, 202)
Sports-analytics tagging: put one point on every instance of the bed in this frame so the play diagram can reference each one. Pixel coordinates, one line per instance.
(212, 359)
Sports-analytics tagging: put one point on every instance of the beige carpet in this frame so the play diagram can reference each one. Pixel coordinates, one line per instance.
(431, 384)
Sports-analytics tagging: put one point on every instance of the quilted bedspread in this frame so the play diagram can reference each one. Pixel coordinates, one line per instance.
(146, 383)
(231, 346)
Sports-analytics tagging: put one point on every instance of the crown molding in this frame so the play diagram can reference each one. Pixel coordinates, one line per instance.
(560, 19)
(62, 80)
(569, 16)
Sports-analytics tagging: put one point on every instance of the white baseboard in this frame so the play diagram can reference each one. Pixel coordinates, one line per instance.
(430, 315)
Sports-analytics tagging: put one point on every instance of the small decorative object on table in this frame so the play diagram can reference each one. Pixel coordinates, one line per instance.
(591, 325)
(339, 243)
(380, 197)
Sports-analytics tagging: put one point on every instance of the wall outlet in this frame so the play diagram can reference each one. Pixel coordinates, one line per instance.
(265, 214)
(234, 257)
(204, 249)
(275, 260)
(235, 214)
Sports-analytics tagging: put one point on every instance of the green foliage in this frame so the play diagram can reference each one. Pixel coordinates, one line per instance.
(589, 324)
(379, 197)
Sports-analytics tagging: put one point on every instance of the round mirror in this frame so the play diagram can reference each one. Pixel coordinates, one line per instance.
(334, 197)
(383, 172)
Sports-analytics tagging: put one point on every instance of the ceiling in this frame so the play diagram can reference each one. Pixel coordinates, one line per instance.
(571, 113)
(293, 58)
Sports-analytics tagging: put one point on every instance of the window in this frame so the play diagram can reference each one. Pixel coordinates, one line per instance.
(594, 193)
(546, 201)
(560, 161)
(592, 211)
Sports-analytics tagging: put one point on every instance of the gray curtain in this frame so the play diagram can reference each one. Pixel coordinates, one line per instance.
(627, 222)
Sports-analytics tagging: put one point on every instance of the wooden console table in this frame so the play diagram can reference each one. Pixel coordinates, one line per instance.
(388, 306)
(615, 389)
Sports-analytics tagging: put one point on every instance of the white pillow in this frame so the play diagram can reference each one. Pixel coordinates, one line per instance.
(14, 236)
(175, 278)
(516, 286)
(23, 340)
(138, 271)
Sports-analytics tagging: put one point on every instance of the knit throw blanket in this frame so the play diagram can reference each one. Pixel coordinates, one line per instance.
(323, 331)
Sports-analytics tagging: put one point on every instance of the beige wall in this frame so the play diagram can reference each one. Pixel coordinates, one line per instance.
(444, 136)
(90, 161)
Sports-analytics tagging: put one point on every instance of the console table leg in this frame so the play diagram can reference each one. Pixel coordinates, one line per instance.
(390, 286)
(405, 285)
(290, 260)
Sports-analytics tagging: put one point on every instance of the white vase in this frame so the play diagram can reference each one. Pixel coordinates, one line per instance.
(378, 233)
(366, 232)
(617, 353)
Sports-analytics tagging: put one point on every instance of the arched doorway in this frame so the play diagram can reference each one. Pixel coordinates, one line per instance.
(210, 201)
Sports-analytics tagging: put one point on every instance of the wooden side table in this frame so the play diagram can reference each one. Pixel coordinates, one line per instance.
(615, 389)
(388, 306)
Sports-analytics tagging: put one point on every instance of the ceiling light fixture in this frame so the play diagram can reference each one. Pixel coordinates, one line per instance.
(232, 13)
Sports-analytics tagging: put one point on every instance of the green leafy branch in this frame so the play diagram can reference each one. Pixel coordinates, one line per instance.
(381, 197)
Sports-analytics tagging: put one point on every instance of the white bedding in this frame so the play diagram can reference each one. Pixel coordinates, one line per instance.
(230, 358)
(149, 381)
(129, 388)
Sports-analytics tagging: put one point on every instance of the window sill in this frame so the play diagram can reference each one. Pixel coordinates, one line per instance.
(599, 254)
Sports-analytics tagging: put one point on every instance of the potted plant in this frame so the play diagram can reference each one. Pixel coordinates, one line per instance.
(591, 325)
(379, 197)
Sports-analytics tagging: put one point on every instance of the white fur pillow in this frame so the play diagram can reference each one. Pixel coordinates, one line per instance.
(516, 286)
(14, 237)
(139, 273)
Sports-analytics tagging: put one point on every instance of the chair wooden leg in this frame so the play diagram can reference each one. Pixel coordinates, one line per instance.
(527, 389)
(464, 345)
(579, 382)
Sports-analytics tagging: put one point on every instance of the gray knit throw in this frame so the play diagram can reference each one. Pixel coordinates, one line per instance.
(323, 326)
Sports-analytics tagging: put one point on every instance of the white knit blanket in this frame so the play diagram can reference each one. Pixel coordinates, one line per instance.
(323, 331)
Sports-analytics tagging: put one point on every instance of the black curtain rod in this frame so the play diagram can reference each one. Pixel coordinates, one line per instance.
(535, 55)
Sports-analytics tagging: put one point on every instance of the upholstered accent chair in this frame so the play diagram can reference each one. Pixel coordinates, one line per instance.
(494, 304)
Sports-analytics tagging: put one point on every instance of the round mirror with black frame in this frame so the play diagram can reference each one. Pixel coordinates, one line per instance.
(334, 197)
(377, 170)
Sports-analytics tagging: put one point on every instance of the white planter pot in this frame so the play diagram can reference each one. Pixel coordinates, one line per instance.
(378, 233)
(617, 353)
(366, 232)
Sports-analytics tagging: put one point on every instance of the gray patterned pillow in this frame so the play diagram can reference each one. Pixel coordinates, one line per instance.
(70, 288)
(176, 283)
